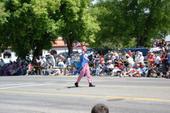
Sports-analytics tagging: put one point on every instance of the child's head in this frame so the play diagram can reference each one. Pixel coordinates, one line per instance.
(100, 108)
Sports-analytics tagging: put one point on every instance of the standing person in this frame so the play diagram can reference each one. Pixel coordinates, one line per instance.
(164, 60)
(84, 68)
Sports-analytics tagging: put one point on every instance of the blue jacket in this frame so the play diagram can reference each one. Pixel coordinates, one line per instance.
(83, 60)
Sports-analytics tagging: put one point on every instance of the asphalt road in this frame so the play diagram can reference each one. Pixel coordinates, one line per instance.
(56, 94)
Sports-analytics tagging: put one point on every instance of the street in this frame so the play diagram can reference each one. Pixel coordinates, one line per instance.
(57, 94)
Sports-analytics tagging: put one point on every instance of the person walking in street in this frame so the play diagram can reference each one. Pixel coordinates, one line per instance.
(84, 68)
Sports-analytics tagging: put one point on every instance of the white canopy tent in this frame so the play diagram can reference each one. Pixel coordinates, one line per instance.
(167, 38)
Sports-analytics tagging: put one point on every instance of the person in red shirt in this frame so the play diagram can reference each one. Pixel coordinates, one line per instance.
(102, 60)
(164, 58)
(151, 59)
(130, 53)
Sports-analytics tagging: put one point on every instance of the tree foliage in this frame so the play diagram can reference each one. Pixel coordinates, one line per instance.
(78, 24)
(3, 20)
(123, 21)
(33, 24)
(29, 26)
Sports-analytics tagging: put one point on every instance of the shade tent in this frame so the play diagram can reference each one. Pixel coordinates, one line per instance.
(167, 38)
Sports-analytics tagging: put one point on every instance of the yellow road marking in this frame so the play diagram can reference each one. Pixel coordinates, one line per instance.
(140, 98)
(22, 92)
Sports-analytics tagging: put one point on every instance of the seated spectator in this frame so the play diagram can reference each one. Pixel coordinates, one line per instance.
(130, 53)
(110, 66)
(118, 68)
(133, 72)
(143, 70)
(151, 59)
(130, 60)
(98, 69)
(30, 69)
(61, 64)
(100, 108)
(102, 61)
(139, 58)
(2, 63)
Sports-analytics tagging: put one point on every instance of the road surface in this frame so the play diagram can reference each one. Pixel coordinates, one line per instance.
(56, 94)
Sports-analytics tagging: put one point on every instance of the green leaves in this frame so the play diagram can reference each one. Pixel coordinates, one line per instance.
(30, 25)
(123, 20)
(3, 19)
(33, 24)
(78, 23)
(27, 25)
(3, 13)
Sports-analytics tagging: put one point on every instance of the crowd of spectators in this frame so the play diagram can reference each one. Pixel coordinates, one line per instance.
(113, 63)
(18, 67)
(134, 63)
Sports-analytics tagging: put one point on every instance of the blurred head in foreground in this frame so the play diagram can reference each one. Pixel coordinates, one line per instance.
(100, 108)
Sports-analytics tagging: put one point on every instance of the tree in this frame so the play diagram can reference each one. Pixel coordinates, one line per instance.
(30, 26)
(78, 24)
(3, 20)
(148, 18)
(124, 21)
(113, 28)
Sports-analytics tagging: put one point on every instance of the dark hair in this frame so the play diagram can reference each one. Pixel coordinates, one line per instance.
(100, 108)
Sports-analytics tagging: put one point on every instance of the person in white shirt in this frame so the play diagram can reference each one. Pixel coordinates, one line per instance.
(130, 60)
(157, 60)
(139, 58)
(110, 65)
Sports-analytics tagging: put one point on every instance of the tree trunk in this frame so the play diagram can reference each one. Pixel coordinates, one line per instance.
(140, 41)
(36, 53)
(69, 46)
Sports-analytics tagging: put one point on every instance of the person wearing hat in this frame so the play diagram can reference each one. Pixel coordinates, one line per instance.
(84, 68)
